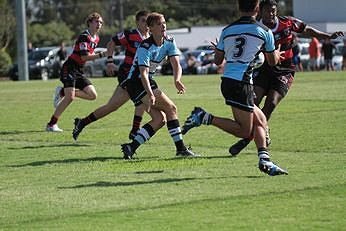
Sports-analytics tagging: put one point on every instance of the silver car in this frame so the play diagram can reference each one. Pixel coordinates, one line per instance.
(97, 67)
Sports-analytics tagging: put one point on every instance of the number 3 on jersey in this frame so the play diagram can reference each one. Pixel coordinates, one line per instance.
(239, 47)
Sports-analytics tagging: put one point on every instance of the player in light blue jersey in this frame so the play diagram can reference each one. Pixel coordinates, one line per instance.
(144, 92)
(239, 44)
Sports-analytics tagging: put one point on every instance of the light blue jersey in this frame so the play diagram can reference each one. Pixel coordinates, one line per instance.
(241, 42)
(150, 55)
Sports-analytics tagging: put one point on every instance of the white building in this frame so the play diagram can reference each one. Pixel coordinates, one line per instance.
(328, 16)
(190, 38)
(324, 15)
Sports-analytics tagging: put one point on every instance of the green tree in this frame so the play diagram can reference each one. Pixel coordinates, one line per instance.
(7, 24)
(49, 34)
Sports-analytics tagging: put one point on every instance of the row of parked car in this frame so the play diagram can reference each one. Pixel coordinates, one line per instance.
(44, 63)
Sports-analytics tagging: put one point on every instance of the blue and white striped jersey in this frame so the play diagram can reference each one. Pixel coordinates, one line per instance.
(241, 41)
(150, 55)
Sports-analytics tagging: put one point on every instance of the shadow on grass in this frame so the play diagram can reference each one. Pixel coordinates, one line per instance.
(4, 133)
(52, 146)
(160, 181)
(197, 158)
(66, 161)
(119, 184)
(149, 172)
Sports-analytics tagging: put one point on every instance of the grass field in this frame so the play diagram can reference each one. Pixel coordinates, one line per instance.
(50, 182)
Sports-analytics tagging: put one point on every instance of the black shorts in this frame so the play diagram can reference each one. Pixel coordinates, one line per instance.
(238, 94)
(279, 81)
(122, 76)
(72, 75)
(136, 90)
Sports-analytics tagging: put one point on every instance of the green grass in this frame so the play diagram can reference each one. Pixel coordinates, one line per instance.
(50, 182)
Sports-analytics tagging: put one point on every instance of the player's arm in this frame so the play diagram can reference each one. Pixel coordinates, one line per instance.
(93, 56)
(312, 32)
(272, 55)
(177, 72)
(273, 58)
(219, 56)
(144, 72)
(110, 66)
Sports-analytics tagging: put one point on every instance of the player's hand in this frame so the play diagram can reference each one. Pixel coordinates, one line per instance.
(214, 44)
(336, 34)
(180, 87)
(110, 69)
(281, 53)
(151, 101)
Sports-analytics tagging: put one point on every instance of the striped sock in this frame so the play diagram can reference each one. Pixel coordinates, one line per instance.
(175, 132)
(263, 154)
(142, 135)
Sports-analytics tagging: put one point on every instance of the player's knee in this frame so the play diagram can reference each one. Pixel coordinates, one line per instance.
(69, 97)
(173, 109)
(158, 121)
(93, 96)
(245, 133)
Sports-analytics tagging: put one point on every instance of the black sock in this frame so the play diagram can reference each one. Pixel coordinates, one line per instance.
(53, 120)
(89, 119)
(136, 123)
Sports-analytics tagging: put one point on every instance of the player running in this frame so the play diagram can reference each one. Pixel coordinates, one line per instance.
(130, 39)
(144, 91)
(72, 76)
(239, 44)
(275, 81)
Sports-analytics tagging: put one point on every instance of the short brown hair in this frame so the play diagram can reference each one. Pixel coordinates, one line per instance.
(91, 17)
(154, 17)
(141, 13)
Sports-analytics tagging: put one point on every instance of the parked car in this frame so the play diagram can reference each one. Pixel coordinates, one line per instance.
(98, 67)
(44, 63)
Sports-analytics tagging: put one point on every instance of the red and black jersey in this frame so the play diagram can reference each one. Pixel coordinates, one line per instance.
(84, 45)
(130, 40)
(283, 35)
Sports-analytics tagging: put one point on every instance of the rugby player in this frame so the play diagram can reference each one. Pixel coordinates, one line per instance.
(72, 76)
(275, 81)
(130, 40)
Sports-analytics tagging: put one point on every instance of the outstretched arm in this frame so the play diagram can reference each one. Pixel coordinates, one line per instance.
(312, 32)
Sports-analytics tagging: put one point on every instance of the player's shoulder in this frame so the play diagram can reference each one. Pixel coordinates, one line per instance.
(147, 43)
(84, 36)
(262, 26)
(130, 31)
(287, 18)
(169, 38)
